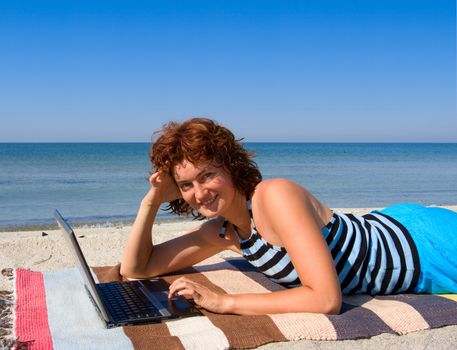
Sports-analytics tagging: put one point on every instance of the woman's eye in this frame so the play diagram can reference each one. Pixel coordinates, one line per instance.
(184, 187)
(207, 176)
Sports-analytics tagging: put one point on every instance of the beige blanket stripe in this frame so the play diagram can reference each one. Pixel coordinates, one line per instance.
(449, 296)
(229, 278)
(399, 316)
(197, 333)
(297, 326)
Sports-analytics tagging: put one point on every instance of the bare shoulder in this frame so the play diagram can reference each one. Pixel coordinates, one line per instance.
(272, 194)
(276, 185)
(273, 191)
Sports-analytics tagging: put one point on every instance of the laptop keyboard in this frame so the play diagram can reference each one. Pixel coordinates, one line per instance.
(126, 301)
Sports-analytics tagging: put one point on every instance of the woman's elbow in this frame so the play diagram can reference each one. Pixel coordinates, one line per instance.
(128, 272)
(333, 309)
(332, 305)
(137, 272)
(125, 271)
(327, 302)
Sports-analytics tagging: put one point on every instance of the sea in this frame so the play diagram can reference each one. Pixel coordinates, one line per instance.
(102, 184)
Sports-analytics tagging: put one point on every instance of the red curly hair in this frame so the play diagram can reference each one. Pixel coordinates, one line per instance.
(200, 140)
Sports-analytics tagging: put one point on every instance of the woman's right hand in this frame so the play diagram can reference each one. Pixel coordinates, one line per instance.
(163, 188)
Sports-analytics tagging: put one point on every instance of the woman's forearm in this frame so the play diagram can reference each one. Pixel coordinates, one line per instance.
(300, 299)
(139, 244)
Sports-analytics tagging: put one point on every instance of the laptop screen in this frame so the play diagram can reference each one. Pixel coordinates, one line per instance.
(82, 265)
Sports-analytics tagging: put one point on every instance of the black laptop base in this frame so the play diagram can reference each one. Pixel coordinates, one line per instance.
(127, 304)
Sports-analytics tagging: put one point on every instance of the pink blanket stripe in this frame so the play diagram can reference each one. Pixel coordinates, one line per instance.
(32, 325)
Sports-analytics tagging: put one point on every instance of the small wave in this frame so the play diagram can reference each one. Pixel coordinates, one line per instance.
(83, 225)
(31, 225)
(75, 182)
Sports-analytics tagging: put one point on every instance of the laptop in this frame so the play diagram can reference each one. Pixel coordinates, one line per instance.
(127, 302)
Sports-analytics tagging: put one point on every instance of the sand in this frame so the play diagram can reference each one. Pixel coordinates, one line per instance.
(47, 251)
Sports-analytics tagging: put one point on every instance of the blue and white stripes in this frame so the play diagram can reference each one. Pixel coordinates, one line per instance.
(372, 254)
(273, 261)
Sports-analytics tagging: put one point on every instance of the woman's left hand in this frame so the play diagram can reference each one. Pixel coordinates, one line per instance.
(201, 295)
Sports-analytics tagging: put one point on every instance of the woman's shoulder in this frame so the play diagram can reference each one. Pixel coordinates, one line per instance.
(278, 195)
(273, 192)
(277, 186)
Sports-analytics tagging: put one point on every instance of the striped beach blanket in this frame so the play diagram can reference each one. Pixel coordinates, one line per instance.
(52, 311)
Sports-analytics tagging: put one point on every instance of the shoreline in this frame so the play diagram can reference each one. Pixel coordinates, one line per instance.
(97, 224)
(87, 224)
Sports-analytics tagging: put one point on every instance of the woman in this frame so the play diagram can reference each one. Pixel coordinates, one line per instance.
(281, 228)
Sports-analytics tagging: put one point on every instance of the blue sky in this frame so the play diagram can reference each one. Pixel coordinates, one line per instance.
(320, 70)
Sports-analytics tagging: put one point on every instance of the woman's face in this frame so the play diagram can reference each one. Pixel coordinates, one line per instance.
(206, 188)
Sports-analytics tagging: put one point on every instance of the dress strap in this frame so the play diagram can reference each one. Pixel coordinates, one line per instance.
(223, 229)
(250, 214)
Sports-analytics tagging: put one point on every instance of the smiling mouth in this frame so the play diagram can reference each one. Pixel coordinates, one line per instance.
(208, 202)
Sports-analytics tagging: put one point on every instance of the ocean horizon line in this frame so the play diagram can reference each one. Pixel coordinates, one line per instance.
(246, 142)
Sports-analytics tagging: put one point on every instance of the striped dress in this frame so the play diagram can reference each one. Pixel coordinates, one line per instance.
(372, 254)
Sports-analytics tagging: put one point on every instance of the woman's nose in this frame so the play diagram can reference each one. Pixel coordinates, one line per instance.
(199, 191)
